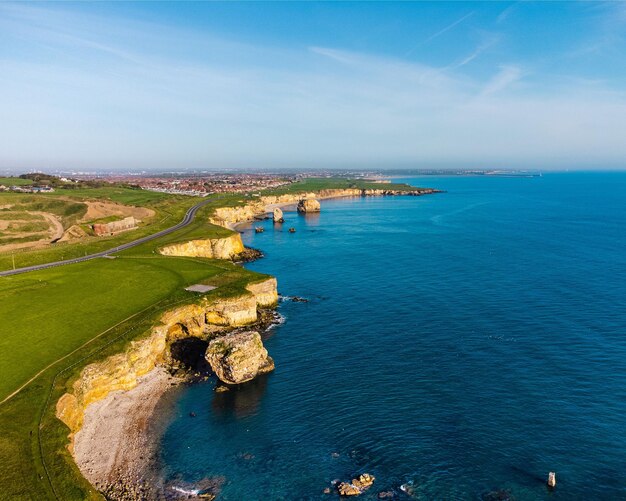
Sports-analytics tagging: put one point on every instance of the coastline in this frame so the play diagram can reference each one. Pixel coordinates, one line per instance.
(116, 448)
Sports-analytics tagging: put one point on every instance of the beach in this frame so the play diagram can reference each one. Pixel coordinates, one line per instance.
(116, 448)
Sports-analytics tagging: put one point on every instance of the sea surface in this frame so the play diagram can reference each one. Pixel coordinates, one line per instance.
(462, 344)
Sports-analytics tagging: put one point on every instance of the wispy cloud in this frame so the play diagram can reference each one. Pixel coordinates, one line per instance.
(506, 76)
(440, 32)
(153, 96)
(482, 47)
(503, 16)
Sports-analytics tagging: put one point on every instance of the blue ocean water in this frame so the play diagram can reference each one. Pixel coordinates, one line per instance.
(466, 343)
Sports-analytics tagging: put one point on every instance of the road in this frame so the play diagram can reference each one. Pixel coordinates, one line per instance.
(189, 216)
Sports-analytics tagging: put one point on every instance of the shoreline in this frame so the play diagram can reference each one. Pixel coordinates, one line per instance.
(117, 447)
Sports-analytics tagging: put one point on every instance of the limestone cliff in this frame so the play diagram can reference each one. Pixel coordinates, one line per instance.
(229, 216)
(216, 248)
(206, 319)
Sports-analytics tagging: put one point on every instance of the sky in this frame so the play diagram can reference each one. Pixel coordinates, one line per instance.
(493, 85)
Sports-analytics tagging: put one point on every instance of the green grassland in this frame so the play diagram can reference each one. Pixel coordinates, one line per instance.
(15, 181)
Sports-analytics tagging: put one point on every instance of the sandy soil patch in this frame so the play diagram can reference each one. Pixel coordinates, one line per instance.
(54, 232)
(99, 210)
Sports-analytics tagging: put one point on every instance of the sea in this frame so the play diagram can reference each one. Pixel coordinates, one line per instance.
(457, 346)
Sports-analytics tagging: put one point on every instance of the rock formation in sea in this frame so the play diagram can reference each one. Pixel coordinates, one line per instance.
(238, 357)
(308, 205)
(278, 215)
(357, 486)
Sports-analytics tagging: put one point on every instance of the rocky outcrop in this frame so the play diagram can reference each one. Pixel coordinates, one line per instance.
(74, 232)
(357, 486)
(128, 223)
(206, 319)
(238, 357)
(265, 292)
(215, 248)
(278, 215)
(308, 205)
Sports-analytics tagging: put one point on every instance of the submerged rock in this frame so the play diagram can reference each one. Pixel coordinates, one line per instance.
(238, 357)
(308, 205)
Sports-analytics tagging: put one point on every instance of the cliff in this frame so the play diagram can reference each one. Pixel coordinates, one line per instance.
(216, 248)
(207, 319)
(229, 216)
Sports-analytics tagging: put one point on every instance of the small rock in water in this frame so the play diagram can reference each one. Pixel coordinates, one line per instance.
(357, 486)
(408, 489)
(386, 495)
(192, 414)
(335, 455)
(346, 489)
(221, 389)
(327, 490)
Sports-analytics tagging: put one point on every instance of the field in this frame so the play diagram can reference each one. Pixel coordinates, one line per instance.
(14, 181)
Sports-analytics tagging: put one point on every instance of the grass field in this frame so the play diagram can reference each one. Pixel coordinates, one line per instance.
(14, 181)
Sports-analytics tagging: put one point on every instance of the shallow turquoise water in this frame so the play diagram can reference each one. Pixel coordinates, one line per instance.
(466, 342)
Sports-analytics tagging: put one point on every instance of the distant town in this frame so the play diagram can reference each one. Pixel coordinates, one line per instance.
(204, 183)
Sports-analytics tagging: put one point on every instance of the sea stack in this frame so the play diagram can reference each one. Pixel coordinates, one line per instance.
(308, 205)
(238, 357)
(552, 480)
(278, 215)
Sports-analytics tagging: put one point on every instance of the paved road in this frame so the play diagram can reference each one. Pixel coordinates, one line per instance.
(189, 216)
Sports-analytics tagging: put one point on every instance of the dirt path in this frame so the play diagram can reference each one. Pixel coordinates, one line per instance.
(55, 224)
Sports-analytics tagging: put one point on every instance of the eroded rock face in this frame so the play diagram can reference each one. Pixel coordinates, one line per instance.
(238, 357)
(122, 371)
(308, 205)
(214, 248)
(265, 292)
(278, 215)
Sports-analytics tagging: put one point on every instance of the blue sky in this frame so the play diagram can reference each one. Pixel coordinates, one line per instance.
(280, 85)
